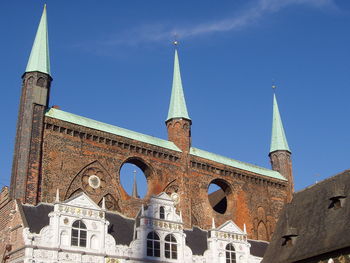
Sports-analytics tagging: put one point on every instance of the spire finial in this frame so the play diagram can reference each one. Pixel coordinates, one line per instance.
(39, 59)
(212, 223)
(103, 203)
(57, 196)
(244, 229)
(142, 210)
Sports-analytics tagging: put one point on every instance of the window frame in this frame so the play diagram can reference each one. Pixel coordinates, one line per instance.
(161, 212)
(153, 244)
(230, 253)
(78, 234)
(170, 247)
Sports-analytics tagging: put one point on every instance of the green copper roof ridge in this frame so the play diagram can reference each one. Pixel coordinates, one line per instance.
(237, 164)
(39, 59)
(278, 136)
(177, 107)
(93, 124)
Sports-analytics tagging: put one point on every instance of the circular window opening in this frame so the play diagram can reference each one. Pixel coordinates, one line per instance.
(94, 181)
(133, 178)
(218, 191)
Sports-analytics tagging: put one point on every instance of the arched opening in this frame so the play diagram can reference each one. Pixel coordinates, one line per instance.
(170, 247)
(64, 238)
(262, 231)
(79, 234)
(161, 212)
(133, 177)
(230, 254)
(94, 242)
(218, 191)
(153, 244)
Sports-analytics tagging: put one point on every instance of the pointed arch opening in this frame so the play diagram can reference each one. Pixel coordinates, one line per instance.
(262, 231)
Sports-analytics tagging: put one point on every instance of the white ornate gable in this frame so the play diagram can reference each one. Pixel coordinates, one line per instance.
(164, 196)
(83, 201)
(229, 226)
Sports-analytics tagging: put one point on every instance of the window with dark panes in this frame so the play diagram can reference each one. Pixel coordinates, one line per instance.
(79, 234)
(153, 244)
(161, 212)
(230, 254)
(170, 247)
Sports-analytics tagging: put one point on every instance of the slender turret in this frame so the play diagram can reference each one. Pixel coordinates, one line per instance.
(178, 121)
(36, 83)
(280, 154)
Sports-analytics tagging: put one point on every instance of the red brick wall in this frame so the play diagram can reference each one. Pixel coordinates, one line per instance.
(11, 229)
(70, 150)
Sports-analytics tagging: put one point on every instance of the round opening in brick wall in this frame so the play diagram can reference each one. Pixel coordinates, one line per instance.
(218, 191)
(133, 178)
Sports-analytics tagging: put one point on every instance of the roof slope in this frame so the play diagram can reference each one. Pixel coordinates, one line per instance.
(121, 228)
(320, 228)
(196, 240)
(237, 164)
(90, 123)
(258, 247)
(37, 216)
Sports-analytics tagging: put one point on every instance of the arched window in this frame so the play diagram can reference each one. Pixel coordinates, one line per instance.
(161, 212)
(170, 247)
(78, 234)
(230, 254)
(153, 245)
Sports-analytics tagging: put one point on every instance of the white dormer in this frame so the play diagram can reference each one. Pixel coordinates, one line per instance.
(77, 225)
(228, 243)
(159, 232)
(162, 207)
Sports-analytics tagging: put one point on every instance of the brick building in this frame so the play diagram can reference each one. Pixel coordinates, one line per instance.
(58, 150)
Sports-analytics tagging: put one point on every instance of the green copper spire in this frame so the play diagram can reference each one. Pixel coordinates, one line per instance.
(278, 139)
(39, 59)
(177, 108)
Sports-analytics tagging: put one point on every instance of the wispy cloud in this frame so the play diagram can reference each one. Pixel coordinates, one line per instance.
(253, 14)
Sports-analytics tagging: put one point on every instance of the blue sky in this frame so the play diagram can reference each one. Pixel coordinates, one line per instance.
(112, 61)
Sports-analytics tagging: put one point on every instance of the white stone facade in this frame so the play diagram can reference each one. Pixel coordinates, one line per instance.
(60, 241)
